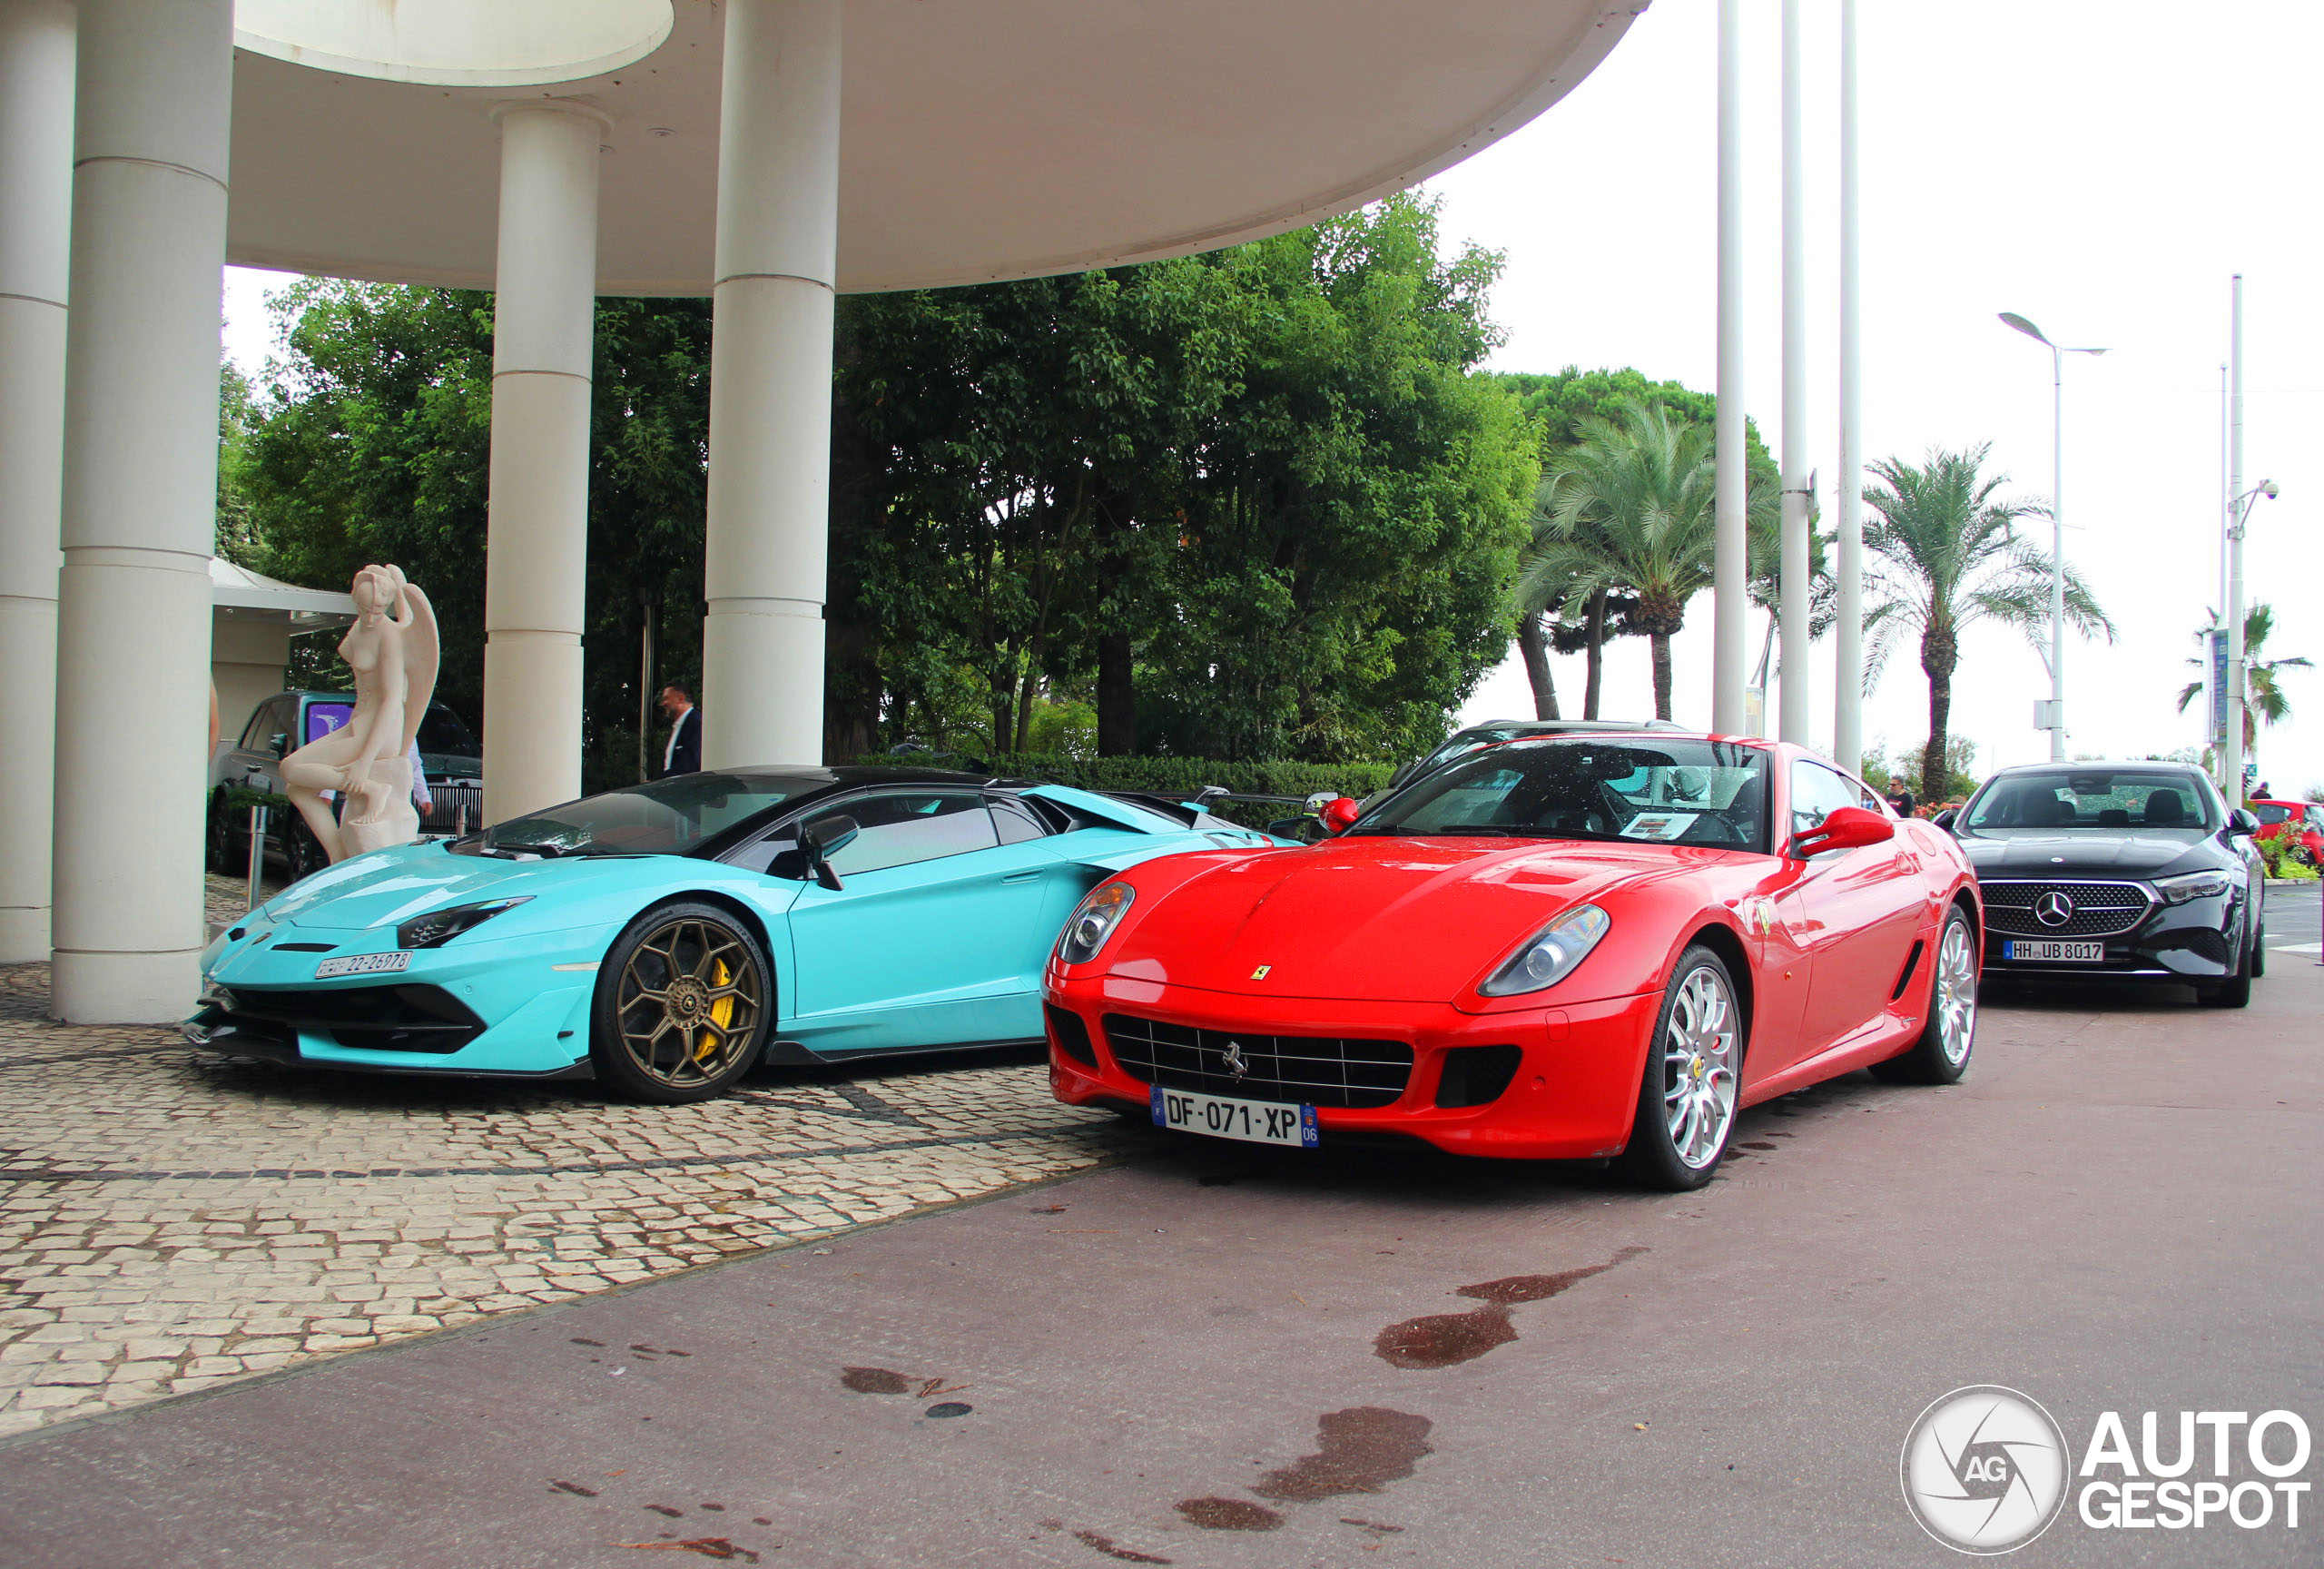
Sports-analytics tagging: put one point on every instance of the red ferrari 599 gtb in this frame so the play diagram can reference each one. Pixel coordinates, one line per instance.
(1574, 946)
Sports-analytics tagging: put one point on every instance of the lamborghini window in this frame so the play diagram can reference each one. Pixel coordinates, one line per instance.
(1677, 792)
(666, 817)
(901, 827)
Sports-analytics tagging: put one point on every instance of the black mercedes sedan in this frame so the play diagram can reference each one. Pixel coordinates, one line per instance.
(2117, 871)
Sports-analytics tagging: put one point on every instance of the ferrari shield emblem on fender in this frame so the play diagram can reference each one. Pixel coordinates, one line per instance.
(1261, 972)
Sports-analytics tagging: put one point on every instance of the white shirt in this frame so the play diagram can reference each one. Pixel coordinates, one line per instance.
(670, 752)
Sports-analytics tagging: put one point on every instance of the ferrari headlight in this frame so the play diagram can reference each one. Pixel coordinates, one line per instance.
(1094, 921)
(1553, 953)
(439, 927)
(2191, 886)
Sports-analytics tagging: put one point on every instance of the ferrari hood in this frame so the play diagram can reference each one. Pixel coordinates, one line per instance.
(389, 886)
(1373, 919)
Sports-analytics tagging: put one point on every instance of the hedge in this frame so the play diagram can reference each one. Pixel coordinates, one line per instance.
(1170, 775)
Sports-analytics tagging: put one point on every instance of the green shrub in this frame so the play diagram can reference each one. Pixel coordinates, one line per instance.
(1172, 775)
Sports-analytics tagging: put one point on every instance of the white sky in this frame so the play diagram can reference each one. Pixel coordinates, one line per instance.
(2099, 167)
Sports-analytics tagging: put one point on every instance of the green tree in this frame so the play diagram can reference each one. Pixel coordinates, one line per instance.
(1631, 509)
(2263, 696)
(1942, 553)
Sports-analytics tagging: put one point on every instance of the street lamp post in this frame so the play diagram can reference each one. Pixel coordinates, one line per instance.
(2239, 513)
(2056, 713)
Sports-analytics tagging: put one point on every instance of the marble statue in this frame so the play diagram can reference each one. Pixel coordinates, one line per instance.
(392, 649)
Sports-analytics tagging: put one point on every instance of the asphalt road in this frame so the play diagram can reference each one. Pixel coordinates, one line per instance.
(2118, 1212)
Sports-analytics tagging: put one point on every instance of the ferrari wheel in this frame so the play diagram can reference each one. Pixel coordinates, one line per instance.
(682, 1004)
(1941, 1055)
(1687, 1100)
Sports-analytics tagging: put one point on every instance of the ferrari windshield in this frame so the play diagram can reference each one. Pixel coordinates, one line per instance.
(2069, 800)
(666, 817)
(1675, 792)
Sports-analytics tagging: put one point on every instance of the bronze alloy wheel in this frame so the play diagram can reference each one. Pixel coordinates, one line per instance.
(681, 1020)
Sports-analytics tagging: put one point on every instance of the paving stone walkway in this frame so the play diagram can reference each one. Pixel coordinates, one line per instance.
(170, 1219)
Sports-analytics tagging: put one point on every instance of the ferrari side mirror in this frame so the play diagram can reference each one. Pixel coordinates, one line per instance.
(1847, 828)
(823, 839)
(1339, 814)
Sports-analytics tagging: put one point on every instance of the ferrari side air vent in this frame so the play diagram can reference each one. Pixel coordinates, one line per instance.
(1476, 1075)
(1912, 963)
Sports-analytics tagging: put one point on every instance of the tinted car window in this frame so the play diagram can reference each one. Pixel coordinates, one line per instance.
(1678, 791)
(1816, 794)
(264, 725)
(2270, 815)
(666, 817)
(1016, 825)
(440, 731)
(2069, 800)
(903, 827)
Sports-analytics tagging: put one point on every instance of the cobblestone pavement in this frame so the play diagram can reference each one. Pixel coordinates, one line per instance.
(170, 1219)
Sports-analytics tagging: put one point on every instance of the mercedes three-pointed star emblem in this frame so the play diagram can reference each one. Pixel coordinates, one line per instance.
(2054, 909)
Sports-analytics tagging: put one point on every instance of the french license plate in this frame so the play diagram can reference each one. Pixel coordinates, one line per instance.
(364, 964)
(1254, 1121)
(2055, 953)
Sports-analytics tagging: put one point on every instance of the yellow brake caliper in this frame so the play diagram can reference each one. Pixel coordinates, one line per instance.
(721, 1013)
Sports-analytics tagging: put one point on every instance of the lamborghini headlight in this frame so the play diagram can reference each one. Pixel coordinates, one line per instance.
(1094, 921)
(2191, 886)
(439, 927)
(1553, 953)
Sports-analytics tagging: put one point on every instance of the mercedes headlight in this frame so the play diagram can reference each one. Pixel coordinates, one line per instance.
(439, 927)
(1094, 921)
(2192, 885)
(1553, 953)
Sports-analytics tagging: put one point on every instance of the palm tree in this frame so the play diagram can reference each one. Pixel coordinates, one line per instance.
(1629, 510)
(1543, 626)
(1944, 554)
(2263, 698)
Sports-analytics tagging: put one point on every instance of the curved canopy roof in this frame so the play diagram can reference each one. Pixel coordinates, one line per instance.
(981, 139)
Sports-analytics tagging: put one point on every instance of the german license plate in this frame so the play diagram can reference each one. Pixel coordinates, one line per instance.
(1253, 1121)
(2054, 952)
(364, 964)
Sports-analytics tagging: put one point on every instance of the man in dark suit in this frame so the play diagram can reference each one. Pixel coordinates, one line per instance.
(684, 753)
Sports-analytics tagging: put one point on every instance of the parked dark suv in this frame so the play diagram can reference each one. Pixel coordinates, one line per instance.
(2116, 872)
(448, 755)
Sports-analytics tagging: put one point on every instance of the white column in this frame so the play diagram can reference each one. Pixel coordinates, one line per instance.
(536, 543)
(154, 95)
(771, 384)
(1795, 594)
(1731, 568)
(1847, 632)
(35, 224)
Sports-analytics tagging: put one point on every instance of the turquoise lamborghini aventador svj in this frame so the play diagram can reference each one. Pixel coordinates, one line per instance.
(665, 937)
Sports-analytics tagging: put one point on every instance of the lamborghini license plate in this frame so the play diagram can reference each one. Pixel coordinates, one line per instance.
(1254, 1121)
(2054, 952)
(386, 964)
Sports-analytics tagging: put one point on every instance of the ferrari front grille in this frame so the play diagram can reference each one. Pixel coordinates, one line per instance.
(1319, 1071)
(2032, 908)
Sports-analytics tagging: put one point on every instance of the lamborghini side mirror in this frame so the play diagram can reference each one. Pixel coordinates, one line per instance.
(823, 839)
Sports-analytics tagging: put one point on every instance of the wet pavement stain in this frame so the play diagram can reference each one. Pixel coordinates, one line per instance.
(1358, 1450)
(1229, 1515)
(666, 1509)
(949, 1408)
(718, 1547)
(875, 1381)
(575, 1488)
(1515, 1289)
(1112, 1549)
(1442, 1339)
(1445, 1339)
